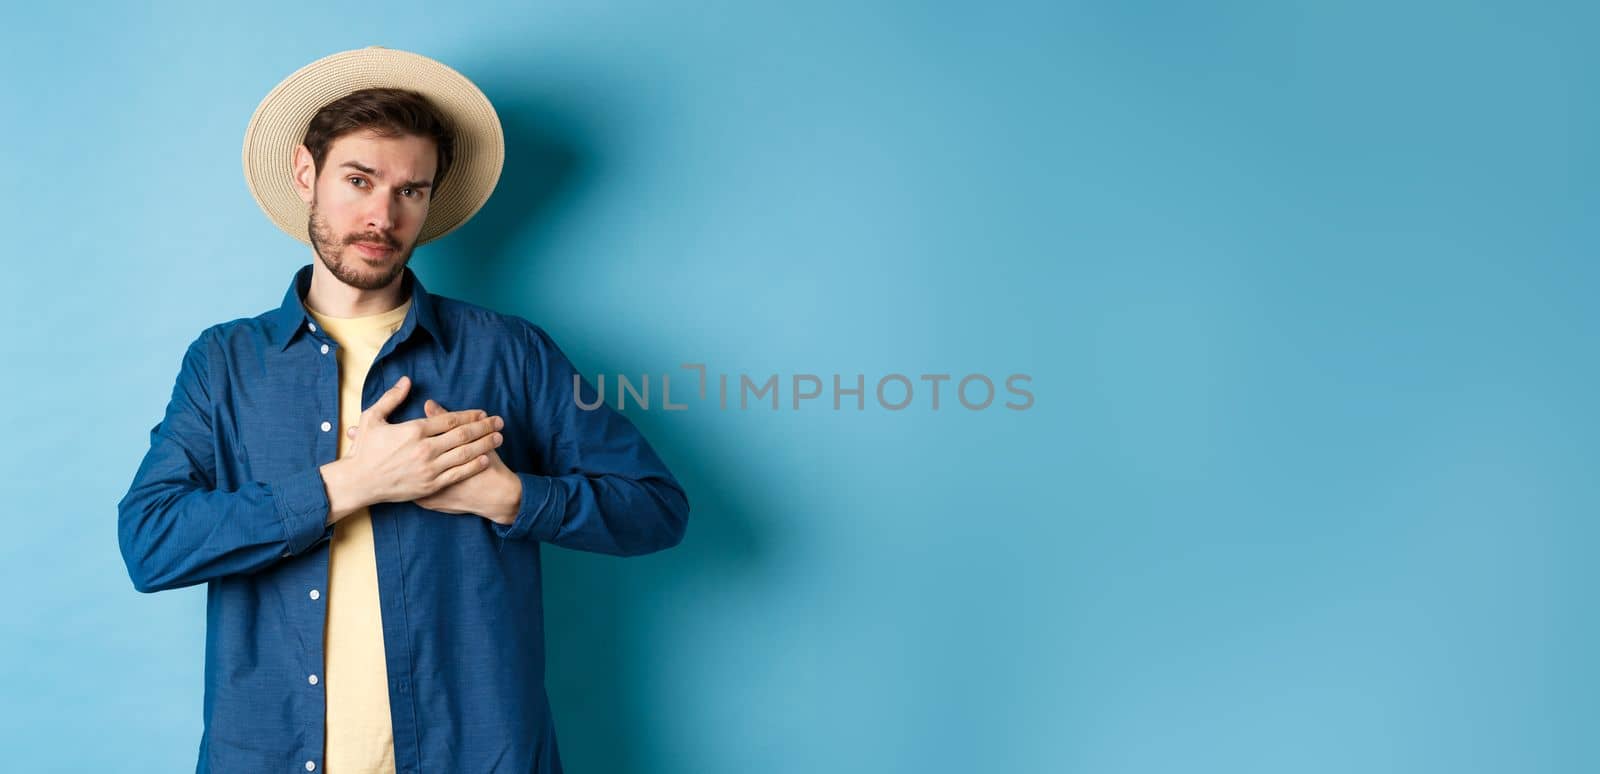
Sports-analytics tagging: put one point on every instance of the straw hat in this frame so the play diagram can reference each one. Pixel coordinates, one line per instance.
(280, 122)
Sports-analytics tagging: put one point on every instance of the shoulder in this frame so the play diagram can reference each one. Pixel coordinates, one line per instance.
(242, 331)
(468, 321)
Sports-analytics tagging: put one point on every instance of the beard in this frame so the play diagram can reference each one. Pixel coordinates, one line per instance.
(356, 272)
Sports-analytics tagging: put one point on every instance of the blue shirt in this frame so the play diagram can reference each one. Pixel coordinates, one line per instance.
(230, 494)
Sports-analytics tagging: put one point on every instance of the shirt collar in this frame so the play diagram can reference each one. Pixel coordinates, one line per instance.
(292, 317)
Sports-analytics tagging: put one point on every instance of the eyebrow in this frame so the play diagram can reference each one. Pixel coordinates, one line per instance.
(376, 174)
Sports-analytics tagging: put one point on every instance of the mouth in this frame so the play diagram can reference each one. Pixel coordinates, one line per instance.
(373, 250)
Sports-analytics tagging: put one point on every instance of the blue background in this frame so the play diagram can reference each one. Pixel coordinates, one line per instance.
(1305, 289)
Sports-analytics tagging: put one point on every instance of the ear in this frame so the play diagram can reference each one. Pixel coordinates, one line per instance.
(305, 174)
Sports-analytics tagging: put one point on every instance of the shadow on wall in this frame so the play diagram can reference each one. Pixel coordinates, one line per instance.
(594, 604)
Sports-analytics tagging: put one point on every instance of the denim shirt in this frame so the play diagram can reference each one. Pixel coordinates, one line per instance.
(230, 494)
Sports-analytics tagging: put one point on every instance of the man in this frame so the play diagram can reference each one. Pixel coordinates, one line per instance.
(374, 599)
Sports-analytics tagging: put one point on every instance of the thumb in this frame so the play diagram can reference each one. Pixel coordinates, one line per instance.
(389, 399)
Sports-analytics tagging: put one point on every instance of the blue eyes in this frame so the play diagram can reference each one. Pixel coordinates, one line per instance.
(410, 195)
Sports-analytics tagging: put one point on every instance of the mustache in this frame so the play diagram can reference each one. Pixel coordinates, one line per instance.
(376, 240)
(319, 230)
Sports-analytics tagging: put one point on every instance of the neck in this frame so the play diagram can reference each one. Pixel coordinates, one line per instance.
(329, 296)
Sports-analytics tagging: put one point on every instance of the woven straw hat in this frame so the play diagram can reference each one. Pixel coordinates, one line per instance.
(280, 122)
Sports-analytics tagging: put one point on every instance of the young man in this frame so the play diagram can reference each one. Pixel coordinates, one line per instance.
(363, 476)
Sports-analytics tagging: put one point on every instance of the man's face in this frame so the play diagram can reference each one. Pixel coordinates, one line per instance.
(368, 204)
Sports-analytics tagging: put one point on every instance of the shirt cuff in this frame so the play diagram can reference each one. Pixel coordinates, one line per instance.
(536, 519)
(302, 504)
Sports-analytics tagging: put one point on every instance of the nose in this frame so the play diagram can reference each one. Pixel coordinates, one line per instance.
(380, 216)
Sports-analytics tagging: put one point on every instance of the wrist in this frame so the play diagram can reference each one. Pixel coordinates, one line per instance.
(346, 494)
(510, 500)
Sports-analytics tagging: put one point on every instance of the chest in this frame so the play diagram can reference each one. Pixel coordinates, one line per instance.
(277, 413)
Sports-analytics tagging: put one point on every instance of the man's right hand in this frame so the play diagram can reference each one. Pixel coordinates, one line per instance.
(405, 461)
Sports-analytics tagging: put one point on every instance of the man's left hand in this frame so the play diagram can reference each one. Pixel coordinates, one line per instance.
(494, 493)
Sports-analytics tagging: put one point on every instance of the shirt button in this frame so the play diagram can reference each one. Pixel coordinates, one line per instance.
(312, 326)
(311, 765)
(326, 427)
(324, 349)
(312, 679)
(286, 554)
(316, 594)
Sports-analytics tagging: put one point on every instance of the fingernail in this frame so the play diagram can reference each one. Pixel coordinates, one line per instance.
(499, 423)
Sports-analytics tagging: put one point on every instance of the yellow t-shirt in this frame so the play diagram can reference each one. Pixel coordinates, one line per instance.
(359, 738)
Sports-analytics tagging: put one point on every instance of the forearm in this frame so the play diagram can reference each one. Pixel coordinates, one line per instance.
(608, 514)
(607, 492)
(174, 533)
(346, 491)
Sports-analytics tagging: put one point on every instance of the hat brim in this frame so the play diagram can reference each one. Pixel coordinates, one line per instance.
(280, 121)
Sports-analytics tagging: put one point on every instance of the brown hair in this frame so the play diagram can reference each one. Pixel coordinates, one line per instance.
(386, 112)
